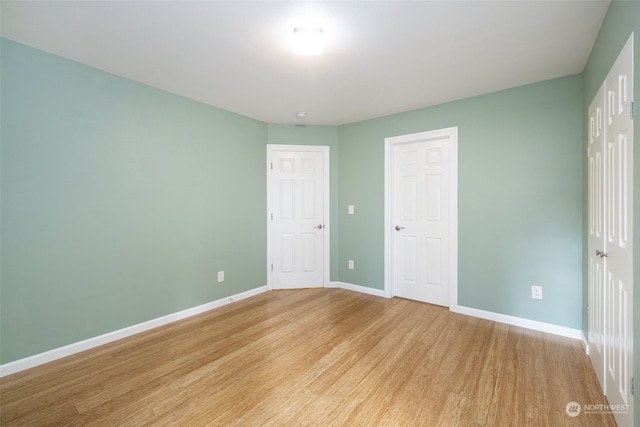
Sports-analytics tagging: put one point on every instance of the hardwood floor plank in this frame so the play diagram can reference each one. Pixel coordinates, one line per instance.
(317, 357)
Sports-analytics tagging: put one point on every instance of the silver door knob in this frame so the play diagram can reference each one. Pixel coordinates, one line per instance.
(398, 228)
(318, 227)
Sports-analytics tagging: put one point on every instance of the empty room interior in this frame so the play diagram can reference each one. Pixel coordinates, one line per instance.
(430, 223)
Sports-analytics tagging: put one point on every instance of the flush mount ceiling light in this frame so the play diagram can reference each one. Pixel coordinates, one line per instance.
(301, 115)
(307, 41)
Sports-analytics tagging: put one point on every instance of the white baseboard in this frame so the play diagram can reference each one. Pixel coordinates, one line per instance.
(357, 288)
(68, 350)
(518, 321)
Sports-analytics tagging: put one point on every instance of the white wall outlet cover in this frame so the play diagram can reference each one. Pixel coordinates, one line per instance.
(536, 292)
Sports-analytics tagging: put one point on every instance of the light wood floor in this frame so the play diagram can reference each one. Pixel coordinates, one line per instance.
(326, 357)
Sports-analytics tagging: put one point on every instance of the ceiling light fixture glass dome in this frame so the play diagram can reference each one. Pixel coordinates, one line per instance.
(307, 41)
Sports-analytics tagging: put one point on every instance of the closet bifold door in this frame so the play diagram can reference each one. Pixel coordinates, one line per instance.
(595, 162)
(610, 235)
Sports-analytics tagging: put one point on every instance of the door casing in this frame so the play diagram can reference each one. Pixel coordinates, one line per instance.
(326, 211)
(389, 143)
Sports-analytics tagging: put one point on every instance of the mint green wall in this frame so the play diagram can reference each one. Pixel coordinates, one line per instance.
(117, 206)
(317, 135)
(116, 203)
(520, 198)
(623, 18)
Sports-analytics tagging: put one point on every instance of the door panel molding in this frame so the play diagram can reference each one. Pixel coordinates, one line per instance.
(451, 135)
(307, 205)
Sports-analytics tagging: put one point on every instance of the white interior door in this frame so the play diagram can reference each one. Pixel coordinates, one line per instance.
(596, 240)
(422, 216)
(619, 232)
(298, 216)
(610, 159)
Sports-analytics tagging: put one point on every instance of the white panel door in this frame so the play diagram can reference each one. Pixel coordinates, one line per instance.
(421, 217)
(297, 217)
(596, 241)
(619, 233)
(610, 224)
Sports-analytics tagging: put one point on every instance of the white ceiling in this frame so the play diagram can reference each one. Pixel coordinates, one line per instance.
(381, 57)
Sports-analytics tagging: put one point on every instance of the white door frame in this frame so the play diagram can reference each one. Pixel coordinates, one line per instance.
(326, 211)
(389, 144)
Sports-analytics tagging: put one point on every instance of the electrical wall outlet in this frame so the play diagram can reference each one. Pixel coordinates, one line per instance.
(536, 292)
(351, 209)
(351, 267)
(220, 276)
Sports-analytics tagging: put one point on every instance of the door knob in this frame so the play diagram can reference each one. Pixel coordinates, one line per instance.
(398, 228)
(318, 227)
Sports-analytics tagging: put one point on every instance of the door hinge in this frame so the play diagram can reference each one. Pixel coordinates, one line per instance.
(272, 217)
(271, 267)
(632, 387)
(271, 165)
(632, 112)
